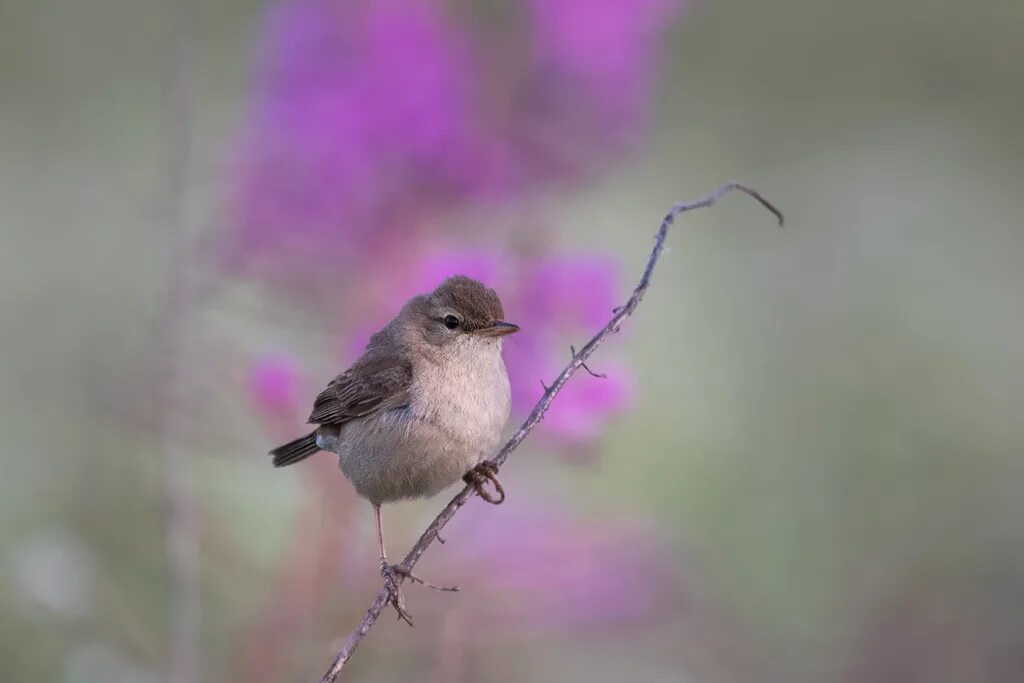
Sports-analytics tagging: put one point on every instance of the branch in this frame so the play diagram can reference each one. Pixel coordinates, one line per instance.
(578, 361)
(595, 375)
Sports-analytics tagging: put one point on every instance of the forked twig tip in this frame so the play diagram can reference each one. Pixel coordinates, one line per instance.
(760, 198)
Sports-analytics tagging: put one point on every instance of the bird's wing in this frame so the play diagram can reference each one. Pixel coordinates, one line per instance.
(372, 384)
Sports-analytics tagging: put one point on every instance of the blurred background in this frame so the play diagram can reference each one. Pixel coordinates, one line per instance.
(805, 463)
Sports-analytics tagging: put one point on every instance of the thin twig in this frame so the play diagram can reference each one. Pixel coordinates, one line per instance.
(577, 362)
(598, 375)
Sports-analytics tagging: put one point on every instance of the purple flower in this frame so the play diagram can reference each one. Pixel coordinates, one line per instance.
(545, 569)
(371, 117)
(274, 385)
(580, 413)
(604, 44)
(434, 267)
(582, 410)
(362, 117)
(594, 62)
(573, 290)
(566, 299)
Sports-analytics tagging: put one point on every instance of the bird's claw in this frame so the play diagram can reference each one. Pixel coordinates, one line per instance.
(390, 573)
(395, 597)
(477, 477)
(402, 571)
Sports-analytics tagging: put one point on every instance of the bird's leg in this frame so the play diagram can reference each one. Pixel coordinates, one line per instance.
(391, 572)
(477, 477)
(391, 582)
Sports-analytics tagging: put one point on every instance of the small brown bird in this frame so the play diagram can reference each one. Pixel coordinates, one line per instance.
(423, 406)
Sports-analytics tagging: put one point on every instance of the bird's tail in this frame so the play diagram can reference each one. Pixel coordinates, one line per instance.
(294, 451)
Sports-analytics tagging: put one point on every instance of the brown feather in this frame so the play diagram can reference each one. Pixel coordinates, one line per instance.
(479, 305)
(294, 451)
(376, 381)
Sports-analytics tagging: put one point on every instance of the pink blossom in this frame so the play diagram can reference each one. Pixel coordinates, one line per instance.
(566, 299)
(361, 115)
(573, 289)
(437, 265)
(369, 117)
(595, 61)
(583, 408)
(544, 568)
(605, 45)
(275, 384)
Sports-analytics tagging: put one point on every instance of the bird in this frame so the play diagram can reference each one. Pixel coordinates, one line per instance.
(423, 407)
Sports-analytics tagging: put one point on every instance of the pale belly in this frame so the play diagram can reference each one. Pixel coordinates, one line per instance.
(419, 450)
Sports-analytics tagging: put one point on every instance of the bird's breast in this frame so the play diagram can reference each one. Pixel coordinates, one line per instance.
(467, 398)
(453, 420)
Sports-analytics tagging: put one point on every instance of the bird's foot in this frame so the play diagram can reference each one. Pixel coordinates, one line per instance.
(390, 573)
(395, 597)
(478, 477)
(402, 571)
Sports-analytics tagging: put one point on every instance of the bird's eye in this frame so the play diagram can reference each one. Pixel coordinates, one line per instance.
(451, 322)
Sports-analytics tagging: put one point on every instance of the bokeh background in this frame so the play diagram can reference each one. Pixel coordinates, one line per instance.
(805, 464)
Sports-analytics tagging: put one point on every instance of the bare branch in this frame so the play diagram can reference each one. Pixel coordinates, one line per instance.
(598, 375)
(537, 414)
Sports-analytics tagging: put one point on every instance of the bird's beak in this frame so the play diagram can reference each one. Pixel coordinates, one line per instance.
(499, 328)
